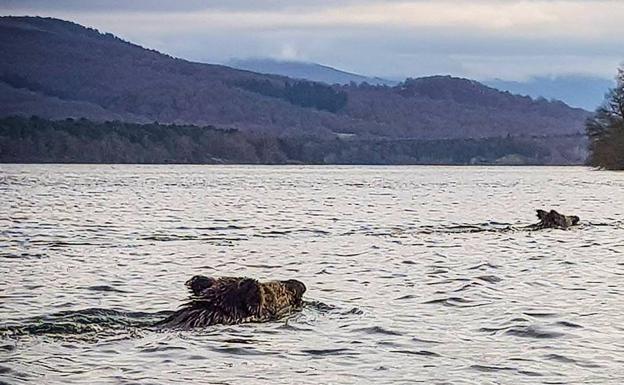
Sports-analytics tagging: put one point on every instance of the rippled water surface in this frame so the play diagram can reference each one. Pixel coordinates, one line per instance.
(414, 274)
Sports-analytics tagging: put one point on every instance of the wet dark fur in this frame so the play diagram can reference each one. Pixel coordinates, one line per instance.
(553, 220)
(234, 300)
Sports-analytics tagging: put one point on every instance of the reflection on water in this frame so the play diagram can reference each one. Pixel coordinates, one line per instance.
(414, 274)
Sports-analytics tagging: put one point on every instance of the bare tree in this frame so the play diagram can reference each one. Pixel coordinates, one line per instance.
(606, 129)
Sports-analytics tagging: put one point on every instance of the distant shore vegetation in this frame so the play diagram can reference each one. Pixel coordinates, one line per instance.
(37, 140)
(606, 130)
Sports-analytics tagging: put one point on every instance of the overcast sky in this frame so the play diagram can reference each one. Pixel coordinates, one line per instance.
(481, 39)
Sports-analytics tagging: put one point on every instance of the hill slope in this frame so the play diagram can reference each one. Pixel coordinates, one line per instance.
(580, 91)
(58, 69)
(308, 71)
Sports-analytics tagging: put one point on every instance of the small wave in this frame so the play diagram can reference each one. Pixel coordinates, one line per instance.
(486, 265)
(532, 332)
(569, 324)
(490, 278)
(491, 368)
(240, 350)
(288, 326)
(180, 238)
(238, 341)
(468, 286)
(417, 352)
(213, 228)
(105, 288)
(61, 244)
(161, 348)
(276, 233)
(8, 348)
(445, 300)
(328, 352)
(22, 256)
(377, 330)
(541, 314)
(424, 341)
(320, 306)
(262, 266)
(454, 302)
(568, 360)
(352, 254)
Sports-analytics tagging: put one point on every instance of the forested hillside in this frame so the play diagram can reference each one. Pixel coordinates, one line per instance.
(57, 69)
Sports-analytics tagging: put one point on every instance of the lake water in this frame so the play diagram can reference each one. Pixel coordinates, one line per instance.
(414, 274)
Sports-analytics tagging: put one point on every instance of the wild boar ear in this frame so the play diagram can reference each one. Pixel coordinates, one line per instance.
(251, 297)
(297, 287)
(541, 214)
(199, 283)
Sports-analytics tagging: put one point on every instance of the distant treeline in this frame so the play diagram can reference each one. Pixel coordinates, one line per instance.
(302, 93)
(35, 140)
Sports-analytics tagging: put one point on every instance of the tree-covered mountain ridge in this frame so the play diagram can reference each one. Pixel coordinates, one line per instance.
(57, 69)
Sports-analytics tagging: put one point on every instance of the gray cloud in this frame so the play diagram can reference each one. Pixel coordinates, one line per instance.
(169, 6)
(481, 39)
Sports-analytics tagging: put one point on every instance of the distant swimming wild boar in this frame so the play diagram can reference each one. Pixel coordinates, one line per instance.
(553, 220)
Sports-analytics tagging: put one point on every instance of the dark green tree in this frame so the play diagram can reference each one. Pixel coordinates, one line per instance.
(606, 130)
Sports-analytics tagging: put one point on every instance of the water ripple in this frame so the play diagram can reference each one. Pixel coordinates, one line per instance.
(414, 274)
